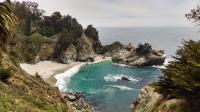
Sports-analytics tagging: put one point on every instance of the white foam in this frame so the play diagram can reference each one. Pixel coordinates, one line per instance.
(115, 78)
(64, 78)
(121, 65)
(167, 60)
(121, 87)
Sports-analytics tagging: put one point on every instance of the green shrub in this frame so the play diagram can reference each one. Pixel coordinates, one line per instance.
(143, 48)
(182, 76)
(4, 74)
(91, 32)
(112, 47)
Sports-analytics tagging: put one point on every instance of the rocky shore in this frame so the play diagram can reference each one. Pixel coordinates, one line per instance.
(76, 102)
(149, 100)
(141, 56)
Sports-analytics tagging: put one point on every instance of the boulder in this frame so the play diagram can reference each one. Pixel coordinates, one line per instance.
(125, 79)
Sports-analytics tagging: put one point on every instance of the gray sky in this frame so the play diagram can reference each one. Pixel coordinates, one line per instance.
(123, 13)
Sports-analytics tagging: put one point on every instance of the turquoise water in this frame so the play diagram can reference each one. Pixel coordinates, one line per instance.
(100, 83)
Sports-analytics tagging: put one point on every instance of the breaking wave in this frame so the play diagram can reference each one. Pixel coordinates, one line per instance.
(115, 78)
(64, 78)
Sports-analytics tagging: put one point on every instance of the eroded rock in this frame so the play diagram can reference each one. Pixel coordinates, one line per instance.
(132, 57)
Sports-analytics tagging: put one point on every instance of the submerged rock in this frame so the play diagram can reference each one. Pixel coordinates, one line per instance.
(125, 79)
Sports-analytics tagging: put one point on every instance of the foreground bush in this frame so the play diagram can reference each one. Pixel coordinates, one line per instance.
(182, 76)
(4, 74)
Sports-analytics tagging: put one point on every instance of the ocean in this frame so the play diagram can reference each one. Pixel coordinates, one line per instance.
(165, 38)
(100, 83)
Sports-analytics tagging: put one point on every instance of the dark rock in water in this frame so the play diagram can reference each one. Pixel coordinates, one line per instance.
(139, 57)
(125, 79)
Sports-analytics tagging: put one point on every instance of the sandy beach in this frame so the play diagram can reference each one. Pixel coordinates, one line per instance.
(48, 69)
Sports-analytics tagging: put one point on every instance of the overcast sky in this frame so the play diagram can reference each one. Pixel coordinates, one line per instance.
(123, 13)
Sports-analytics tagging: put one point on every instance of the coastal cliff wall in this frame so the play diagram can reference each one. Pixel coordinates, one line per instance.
(151, 101)
(35, 48)
(83, 49)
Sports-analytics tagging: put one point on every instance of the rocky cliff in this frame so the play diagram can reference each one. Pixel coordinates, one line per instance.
(151, 101)
(20, 92)
(83, 49)
(35, 48)
(141, 56)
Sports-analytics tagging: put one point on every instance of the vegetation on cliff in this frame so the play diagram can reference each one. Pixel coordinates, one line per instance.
(178, 90)
(111, 47)
(37, 32)
(181, 77)
(19, 91)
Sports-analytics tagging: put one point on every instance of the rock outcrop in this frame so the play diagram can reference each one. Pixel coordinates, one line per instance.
(76, 102)
(151, 101)
(131, 56)
(83, 50)
(45, 52)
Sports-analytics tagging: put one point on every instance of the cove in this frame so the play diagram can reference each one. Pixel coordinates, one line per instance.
(101, 84)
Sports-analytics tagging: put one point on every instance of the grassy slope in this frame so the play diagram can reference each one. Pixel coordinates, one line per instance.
(24, 93)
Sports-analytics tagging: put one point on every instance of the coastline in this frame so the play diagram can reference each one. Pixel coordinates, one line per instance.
(52, 80)
(47, 70)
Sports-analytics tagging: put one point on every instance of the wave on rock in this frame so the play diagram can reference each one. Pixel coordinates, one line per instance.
(115, 78)
(167, 60)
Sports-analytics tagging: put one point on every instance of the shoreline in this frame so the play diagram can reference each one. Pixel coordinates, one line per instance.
(52, 80)
(47, 70)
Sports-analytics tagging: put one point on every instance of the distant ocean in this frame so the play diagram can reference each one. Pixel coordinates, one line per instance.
(166, 38)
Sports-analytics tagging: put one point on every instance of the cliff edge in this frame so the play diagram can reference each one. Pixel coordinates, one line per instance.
(151, 101)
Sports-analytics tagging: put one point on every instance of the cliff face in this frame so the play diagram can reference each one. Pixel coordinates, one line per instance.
(151, 101)
(131, 56)
(84, 50)
(35, 48)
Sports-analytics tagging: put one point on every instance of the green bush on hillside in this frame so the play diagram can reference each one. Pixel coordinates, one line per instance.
(4, 73)
(31, 45)
(182, 76)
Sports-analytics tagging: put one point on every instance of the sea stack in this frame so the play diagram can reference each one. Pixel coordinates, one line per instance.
(141, 56)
